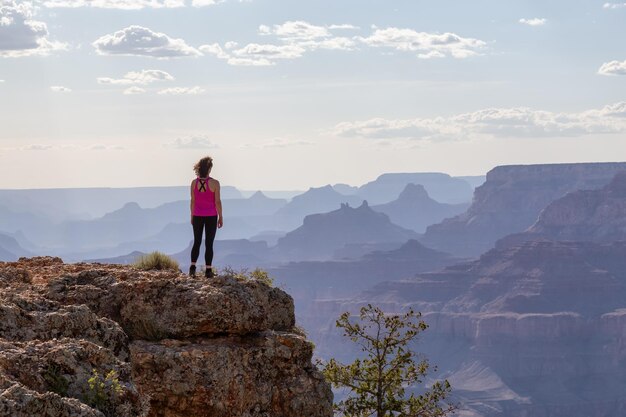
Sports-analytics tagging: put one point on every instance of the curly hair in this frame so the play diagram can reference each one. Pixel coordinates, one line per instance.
(203, 166)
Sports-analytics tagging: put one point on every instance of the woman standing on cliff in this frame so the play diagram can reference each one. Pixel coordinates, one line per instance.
(206, 213)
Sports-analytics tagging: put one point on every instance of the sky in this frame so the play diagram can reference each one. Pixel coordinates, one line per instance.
(290, 94)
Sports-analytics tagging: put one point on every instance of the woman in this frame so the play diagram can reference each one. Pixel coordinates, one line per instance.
(206, 213)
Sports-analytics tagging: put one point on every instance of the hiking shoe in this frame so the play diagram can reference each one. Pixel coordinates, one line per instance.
(192, 271)
(209, 273)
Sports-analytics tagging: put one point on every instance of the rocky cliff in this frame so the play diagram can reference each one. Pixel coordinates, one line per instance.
(532, 330)
(584, 215)
(510, 202)
(99, 340)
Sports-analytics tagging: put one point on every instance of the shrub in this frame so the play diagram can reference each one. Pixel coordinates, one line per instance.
(257, 274)
(57, 383)
(103, 392)
(156, 261)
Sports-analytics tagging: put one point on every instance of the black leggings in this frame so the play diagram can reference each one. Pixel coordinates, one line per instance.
(209, 224)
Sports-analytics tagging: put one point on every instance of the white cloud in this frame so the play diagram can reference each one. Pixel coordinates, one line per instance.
(143, 77)
(264, 54)
(296, 30)
(1, 81)
(180, 91)
(613, 68)
(214, 49)
(614, 5)
(493, 122)
(344, 26)
(294, 38)
(20, 34)
(115, 4)
(254, 54)
(60, 89)
(536, 21)
(428, 45)
(195, 142)
(203, 3)
(134, 91)
(277, 143)
(141, 41)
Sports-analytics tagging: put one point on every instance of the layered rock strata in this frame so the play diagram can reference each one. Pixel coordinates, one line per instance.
(161, 343)
(537, 329)
(584, 215)
(510, 201)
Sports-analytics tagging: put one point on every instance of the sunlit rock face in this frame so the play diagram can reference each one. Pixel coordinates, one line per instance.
(510, 201)
(179, 346)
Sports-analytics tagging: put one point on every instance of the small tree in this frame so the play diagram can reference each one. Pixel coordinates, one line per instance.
(378, 381)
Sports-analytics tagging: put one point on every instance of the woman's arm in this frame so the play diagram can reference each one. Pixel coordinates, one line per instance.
(218, 205)
(192, 200)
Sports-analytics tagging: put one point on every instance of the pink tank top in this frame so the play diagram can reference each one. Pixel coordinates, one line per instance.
(204, 198)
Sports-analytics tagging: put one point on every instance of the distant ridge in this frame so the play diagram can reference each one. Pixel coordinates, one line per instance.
(321, 234)
(415, 210)
(316, 200)
(510, 201)
(10, 249)
(584, 215)
(441, 187)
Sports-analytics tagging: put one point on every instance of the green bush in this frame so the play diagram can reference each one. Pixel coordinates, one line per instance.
(103, 392)
(156, 261)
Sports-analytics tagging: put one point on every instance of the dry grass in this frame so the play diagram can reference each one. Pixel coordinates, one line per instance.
(156, 261)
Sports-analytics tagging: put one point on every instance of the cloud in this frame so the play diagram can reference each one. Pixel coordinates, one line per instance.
(180, 91)
(613, 68)
(20, 34)
(277, 143)
(101, 147)
(537, 21)
(60, 89)
(1, 81)
(494, 122)
(115, 4)
(143, 77)
(614, 5)
(36, 147)
(296, 30)
(141, 41)
(294, 39)
(216, 49)
(203, 3)
(428, 45)
(195, 142)
(344, 26)
(134, 91)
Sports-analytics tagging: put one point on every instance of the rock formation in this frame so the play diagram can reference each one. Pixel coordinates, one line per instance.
(442, 187)
(510, 202)
(532, 330)
(98, 340)
(316, 200)
(415, 210)
(322, 234)
(585, 215)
